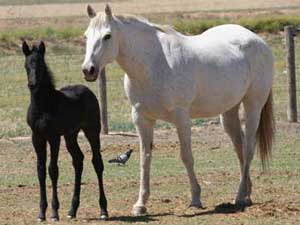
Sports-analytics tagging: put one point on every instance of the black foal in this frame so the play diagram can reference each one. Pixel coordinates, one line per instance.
(53, 113)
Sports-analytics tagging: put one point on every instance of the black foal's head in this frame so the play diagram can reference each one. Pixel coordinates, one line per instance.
(35, 64)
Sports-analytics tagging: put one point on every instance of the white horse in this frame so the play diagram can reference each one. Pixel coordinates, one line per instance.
(174, 78)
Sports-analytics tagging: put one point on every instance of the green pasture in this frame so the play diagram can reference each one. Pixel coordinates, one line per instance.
(262, 23)
(65, 58)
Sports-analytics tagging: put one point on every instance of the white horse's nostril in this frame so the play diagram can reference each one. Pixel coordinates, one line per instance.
(92, 70)
(89, 72)
(85, 72)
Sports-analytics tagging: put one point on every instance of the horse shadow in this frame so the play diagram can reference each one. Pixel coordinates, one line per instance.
(223, 208)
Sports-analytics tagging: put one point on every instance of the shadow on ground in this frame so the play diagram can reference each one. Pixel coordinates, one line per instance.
(135, 219)
(223, 208)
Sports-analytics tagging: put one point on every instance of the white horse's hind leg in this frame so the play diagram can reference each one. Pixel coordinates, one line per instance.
(232, 126)
(183, 126)
(145, 130)
(252, 112)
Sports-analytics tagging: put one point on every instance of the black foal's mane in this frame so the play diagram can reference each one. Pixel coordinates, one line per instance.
(44, 69)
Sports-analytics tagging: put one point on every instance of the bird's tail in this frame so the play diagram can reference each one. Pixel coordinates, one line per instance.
(113, 161)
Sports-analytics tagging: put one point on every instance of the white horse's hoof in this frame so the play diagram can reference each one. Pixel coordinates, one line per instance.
(245, 203)
(139, 210)
(197, 205)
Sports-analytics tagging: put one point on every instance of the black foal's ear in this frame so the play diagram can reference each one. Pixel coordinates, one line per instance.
(26, 49)
(42, 48)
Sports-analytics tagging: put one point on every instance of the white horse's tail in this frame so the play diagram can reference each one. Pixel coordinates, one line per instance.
(266, 131)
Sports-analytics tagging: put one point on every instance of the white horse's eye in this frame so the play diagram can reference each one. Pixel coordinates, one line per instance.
(107, 37)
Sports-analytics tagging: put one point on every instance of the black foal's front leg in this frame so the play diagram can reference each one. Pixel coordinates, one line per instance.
(94, 139)
(39, 144)
(77, 160)
(54, 173)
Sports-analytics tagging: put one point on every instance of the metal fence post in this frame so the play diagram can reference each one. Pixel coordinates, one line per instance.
(291, 74)
(103, 102)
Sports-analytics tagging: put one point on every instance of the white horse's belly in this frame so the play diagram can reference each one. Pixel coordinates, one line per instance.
(214, 105)
(219, 93)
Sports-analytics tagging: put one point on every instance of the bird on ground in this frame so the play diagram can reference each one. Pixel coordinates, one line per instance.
(122, 159)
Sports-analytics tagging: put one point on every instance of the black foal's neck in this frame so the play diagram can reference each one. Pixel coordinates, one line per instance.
(43, 95)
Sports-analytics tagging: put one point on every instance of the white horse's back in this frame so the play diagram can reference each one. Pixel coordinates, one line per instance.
(230, 62)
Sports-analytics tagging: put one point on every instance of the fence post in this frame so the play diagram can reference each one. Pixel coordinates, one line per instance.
(103, 102)
(291, 74)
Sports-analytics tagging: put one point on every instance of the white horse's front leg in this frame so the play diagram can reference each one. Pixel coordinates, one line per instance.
(144, 128)
(183, 126)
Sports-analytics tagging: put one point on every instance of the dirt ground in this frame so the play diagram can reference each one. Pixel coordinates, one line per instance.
(276, 192)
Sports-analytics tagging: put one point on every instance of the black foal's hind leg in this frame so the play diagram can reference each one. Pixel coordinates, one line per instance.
(53, 172)
(77, 160)
(39, 144)
(94, 139)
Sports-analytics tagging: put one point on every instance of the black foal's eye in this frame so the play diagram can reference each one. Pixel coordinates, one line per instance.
(107, 37)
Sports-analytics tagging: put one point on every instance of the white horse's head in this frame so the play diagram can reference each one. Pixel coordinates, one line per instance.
(101, 43)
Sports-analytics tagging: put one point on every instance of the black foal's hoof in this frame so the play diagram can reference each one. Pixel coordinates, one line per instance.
(54, 219)
(72, 214)
(104, 216)
(41, 219)
(71, 217)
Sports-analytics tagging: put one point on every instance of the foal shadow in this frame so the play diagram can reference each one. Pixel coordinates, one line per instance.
(223, 208)
(134, 219)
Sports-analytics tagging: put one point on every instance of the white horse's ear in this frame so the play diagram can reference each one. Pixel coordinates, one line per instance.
(108, 11)
(91, 12)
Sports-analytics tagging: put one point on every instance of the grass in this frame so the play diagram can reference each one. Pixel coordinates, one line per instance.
(258, 24)
(40, 33)
(270, 23)
(275, 192)
(65, 58)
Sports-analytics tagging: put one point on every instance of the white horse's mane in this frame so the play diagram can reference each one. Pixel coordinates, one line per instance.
(133, 19)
